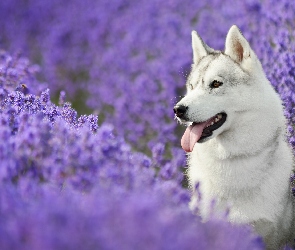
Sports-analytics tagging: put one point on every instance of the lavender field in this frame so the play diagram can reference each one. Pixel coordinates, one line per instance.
(90, 154)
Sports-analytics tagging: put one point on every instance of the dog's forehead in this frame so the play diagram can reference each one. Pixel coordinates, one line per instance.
(216, 61)
(222, 62)
(206, 61)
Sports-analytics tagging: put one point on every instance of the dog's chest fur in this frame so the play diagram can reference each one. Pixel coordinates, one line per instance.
(253, 187)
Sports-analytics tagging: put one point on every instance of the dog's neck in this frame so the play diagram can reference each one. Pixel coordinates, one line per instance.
(231, 144)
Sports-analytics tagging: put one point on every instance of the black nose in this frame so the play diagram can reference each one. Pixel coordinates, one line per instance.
(180, 110)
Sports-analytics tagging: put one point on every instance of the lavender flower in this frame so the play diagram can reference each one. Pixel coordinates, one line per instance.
(60, 173)
(63, 170)
(130, 71)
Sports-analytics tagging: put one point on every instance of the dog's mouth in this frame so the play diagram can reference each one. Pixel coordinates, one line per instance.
(201, 131)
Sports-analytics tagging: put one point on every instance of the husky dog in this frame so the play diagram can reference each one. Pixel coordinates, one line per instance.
(236, 141)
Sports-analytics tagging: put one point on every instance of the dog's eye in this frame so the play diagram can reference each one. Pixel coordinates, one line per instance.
(215, 84)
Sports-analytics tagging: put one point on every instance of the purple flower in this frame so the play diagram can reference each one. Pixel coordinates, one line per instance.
(112, 179)
(62, 173)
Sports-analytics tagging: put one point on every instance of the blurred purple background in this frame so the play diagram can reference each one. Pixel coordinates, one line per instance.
(112, 179)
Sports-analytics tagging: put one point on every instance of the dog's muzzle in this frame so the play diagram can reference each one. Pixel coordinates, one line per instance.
(180, 110)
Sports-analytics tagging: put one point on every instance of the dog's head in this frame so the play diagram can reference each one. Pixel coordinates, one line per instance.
(217, 87)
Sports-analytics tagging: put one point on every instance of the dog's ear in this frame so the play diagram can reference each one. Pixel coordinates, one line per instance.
(200, 49)
(236, 45)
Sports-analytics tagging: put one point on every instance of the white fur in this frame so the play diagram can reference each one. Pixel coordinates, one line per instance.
(246, 163)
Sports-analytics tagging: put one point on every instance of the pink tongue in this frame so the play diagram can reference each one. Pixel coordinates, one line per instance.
(191, 135)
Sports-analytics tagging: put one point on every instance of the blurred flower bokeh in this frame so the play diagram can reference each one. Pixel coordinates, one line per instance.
(90, 155)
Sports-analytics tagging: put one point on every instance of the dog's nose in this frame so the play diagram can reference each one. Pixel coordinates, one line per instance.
(180, 110)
